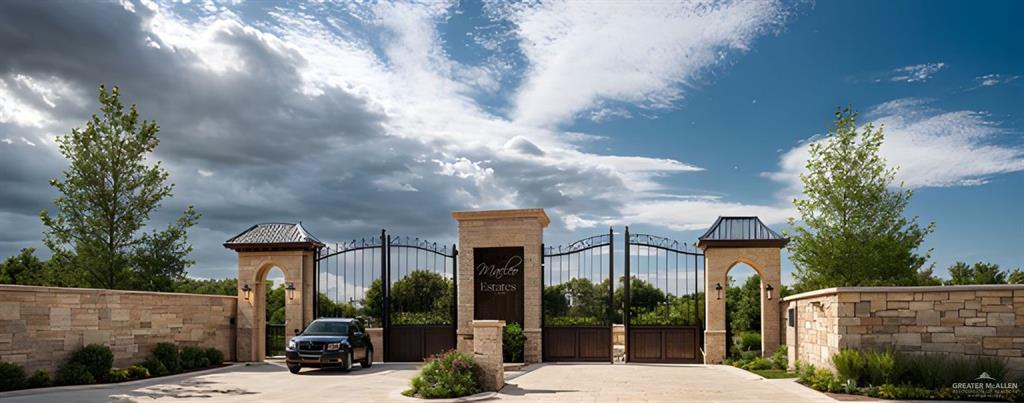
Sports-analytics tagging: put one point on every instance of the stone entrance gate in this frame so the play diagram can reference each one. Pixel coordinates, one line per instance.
(498, 275)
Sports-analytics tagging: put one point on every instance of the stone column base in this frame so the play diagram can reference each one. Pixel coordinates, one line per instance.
(532, 346)
(487, 352)
(714, 346)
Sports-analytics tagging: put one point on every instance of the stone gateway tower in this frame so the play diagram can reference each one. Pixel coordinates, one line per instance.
(730, 241)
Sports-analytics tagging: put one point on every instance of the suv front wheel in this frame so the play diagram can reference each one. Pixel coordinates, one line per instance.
(348, 362)
(368, 360)
(294, 368)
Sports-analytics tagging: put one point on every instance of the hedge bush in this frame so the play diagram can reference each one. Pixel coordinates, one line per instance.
(39, 379)
(12, 376)
(96, 358)
(451, 374)
(512, 342)
(167, 354)
(193, 358)
(74, 373)
(214, 356)
(780, 358)
(155, 367)
(137, 372)
(118, 375)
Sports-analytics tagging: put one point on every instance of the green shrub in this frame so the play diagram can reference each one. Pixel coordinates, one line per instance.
(780, 358)
(74, 373)
(746, 341)
(155, 367)
(167, 354)
(214, 356)
(880, 367)
(804, 372)
(904, 392)
(451, 374)
(118, 375)
(96, 358)
(513, 341)
(193, 358)
(137, 372)
(823, 380)
(12, 376)
(850, 365)
(758, 364)
(39, 379)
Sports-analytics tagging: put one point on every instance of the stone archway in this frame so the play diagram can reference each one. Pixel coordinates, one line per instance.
(730, 241)
(261, 248)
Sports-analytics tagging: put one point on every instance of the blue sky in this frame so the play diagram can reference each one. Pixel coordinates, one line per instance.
(657, 115)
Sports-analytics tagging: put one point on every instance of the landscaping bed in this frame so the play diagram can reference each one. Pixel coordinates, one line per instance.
(898, 376)
(93, 364)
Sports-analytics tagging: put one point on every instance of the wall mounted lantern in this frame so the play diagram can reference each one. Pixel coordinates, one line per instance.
(246, 291)
(769, 289)
(718, 289)
(291, 290)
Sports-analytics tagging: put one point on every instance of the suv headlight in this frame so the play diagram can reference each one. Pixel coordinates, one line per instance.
(291, 344)
(334, 346)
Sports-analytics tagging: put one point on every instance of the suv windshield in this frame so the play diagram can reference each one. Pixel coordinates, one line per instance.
(327, 328)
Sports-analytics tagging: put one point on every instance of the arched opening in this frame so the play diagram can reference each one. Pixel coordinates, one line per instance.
(273, 312)
(743, 313)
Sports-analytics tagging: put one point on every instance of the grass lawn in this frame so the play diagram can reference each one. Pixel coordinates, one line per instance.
(774, 373)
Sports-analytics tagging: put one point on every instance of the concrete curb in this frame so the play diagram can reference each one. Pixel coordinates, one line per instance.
(398, 396)
(154, 381)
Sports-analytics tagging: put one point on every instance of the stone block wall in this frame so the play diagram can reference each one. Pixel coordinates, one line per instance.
(981, 320)
(41, 326)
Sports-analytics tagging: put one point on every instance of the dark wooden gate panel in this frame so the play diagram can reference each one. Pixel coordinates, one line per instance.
(414, 343)
(578, 343)
(668, 344)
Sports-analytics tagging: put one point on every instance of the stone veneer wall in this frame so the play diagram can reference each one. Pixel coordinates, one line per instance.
(41, 326)
(981, 320)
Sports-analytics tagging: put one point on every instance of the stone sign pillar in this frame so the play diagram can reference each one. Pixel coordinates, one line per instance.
(507, 277)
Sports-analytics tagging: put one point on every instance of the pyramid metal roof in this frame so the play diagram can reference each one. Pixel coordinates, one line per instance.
(740, 231)
(274, 236)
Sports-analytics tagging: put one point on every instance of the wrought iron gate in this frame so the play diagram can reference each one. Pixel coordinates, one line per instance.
(404, 285)
(274, 341)
(577, 300)
(664, 300)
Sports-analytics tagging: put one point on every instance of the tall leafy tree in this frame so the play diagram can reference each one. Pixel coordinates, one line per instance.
(1016, 276)
(107, 195)
(852, 229)
(961, 273)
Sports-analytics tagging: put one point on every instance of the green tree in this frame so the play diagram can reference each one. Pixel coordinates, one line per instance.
(1016, 276)
(744, 305)
(108, 193)
(26, 269)
(980, 273)
(420, 297)
(577, 298)
(227, 286)
(852, 229)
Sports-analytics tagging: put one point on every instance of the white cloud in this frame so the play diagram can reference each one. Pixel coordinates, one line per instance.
(932, 148)
(916, 73)
(696, 213)
(990, 80)
(643, 53)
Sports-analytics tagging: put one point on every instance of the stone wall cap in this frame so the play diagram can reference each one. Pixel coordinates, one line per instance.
(929, 288)
(537, 213)
(488, 323)
(34, 288)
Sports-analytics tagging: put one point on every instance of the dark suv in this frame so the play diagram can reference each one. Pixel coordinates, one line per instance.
(330, 343)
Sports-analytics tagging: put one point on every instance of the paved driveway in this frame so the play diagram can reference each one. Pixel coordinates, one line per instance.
(382, 383)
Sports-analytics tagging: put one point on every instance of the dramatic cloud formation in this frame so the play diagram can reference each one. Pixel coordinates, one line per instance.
(930, 147)
(356, 120)
(641, 53)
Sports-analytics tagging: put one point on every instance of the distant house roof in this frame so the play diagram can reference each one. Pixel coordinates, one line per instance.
(274, 236)
(740, 231)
